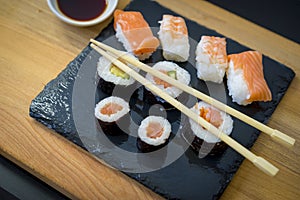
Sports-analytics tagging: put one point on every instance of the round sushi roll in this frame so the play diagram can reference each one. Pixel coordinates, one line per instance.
(153, 133)
(111, 75)
(112, 112)
(204, 141)
(172, 70)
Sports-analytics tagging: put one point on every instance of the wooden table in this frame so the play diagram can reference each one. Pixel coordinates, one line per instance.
(35, 46)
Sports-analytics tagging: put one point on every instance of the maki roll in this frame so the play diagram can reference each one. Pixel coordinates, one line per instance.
(205, 142)
(211, 59)
(245, 78)
(112, 114)
(110, 75)
(135, 34)
(153, 133)
(172, 70)
(174, 39)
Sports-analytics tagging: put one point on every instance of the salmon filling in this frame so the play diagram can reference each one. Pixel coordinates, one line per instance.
(111, 108)
(154, 130)
(212, 116)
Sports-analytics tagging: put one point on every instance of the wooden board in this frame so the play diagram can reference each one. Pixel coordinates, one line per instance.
(35, 47)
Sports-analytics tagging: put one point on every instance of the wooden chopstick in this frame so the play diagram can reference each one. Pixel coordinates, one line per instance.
(259, 162)
(275, 134)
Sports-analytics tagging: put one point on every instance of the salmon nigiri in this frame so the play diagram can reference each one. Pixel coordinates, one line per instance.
(245, 78)
(173, 35)
(135, 34)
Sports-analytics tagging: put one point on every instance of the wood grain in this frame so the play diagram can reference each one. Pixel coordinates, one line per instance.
(35, 46)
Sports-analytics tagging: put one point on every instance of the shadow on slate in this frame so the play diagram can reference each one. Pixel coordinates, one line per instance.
(204, 178)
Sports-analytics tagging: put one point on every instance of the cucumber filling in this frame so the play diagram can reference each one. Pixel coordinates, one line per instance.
(118, 72)
(172, 74)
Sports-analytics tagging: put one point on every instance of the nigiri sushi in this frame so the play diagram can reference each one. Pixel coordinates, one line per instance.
(205, 142)
(110, 75)
(135, 34)
(245, 78)
(211, 58)
(111, 112)
(153, 133)
(173, 36)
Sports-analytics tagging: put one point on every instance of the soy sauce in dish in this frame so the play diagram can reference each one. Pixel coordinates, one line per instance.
(82, 10)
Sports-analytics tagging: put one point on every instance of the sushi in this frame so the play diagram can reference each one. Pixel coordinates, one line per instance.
(110, 75)
(204, 142)
(153, 133)
(172, 70)
(245, 78)
(134, 32)
(112, 114)
(211, 59)
(173, 36)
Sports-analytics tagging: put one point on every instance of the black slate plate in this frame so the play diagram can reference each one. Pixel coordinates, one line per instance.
(66, 105)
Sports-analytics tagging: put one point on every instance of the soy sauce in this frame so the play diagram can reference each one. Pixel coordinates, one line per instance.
(82, 10)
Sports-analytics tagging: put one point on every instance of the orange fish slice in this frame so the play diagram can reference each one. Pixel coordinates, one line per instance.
(111, 108)
(212, 116)
(154, 130)
(250, 62)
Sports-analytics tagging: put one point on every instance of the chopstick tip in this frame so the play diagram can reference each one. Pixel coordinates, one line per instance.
(265, 166)
(283, 138)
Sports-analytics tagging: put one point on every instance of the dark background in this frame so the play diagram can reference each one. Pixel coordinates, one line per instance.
(281, 17)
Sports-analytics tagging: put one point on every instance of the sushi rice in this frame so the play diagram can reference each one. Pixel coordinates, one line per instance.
(237, 86)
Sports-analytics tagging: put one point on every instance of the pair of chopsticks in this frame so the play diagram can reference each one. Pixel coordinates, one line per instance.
(118, 57)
